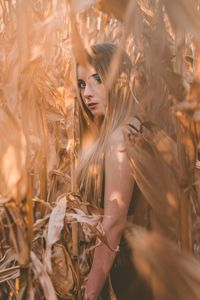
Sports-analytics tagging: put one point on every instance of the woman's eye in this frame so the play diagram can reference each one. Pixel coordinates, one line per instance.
(81, 84)
(97, 78)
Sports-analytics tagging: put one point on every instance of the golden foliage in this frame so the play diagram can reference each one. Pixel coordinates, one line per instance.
(172, 273)
(40, 41)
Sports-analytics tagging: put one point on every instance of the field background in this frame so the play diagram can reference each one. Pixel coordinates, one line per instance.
(39, 140)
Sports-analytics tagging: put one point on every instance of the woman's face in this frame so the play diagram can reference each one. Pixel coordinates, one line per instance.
(92, 90)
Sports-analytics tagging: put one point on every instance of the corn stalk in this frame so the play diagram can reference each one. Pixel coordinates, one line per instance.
(184, 200)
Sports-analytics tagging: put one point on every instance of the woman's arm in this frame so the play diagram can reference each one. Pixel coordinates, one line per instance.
(118, 191)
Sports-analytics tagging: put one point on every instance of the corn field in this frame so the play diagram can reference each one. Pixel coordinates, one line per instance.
(40, 209)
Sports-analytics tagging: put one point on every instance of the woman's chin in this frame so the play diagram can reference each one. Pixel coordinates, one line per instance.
(98, 113)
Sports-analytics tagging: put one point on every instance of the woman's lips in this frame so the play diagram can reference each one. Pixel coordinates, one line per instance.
(92, 105)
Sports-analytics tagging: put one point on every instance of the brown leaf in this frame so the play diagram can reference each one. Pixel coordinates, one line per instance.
(43, 278)
(9, 256)
(27, 292)
(56, 221)
(114, 8)
(9, 274)
(77, 42)
(187, 19)
(12, 156)
(78, 6)
(55, 226)
(91, 225)
(153, 157)
(18, 233)
(171, 273)
(64, 277)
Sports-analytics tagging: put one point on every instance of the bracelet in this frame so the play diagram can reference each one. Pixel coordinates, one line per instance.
(117, 249)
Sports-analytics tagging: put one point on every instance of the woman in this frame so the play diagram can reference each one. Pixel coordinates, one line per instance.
(104, 174)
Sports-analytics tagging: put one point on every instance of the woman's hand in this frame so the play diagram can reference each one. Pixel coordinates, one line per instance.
(88, 291)
(89, 296)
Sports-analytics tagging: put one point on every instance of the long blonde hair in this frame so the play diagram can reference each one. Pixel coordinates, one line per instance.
(120, 106)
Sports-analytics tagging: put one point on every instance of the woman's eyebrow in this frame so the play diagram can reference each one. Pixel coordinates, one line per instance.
(94, 74)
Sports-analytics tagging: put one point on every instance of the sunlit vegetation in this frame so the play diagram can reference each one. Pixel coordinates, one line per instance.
(41, 212)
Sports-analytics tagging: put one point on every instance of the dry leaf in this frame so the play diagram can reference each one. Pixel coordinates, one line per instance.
(43, 278)
(12, 156)
(55, 226)
(162, 259)
(78, 6)
(18, 233)
(9, 274)
(64, 276)
(155, 168)
(187, 19)
(114, 8)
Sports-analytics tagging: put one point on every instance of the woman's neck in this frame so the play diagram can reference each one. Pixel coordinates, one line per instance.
(98, 120)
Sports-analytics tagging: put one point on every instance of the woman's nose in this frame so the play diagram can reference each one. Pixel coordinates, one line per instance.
(88, 93)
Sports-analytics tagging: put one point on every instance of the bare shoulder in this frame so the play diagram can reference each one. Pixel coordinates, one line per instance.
(116, 140)
(116, 153)
(118, 174)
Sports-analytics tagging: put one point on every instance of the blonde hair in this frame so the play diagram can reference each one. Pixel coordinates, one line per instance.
(120, 106)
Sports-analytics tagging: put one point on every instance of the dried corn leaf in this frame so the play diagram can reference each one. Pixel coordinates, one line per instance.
(114, 8)
(28, 291)
(91, 225)
(82, 217)
(77, 43)
(43, 278)
(187, 19)
(36, 37)
(55, 226)
(153, 158)
(9, 274)
(53, 113)
(64, 277)
(80, 5)
(8, 258)
(171, 273)
(18, 233)
(12, 156)
(56, 221)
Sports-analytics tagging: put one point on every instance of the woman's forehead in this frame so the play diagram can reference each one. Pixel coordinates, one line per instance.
(85, 71)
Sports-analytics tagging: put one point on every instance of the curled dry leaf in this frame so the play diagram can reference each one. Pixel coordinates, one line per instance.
(91, 224)
(164, 258)
(8, 268)
(9, 274)
(27, 291)
(64, 277)
(18, 233)
(43, 277)
(8, 258)
(81, 217)
(55, 226)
